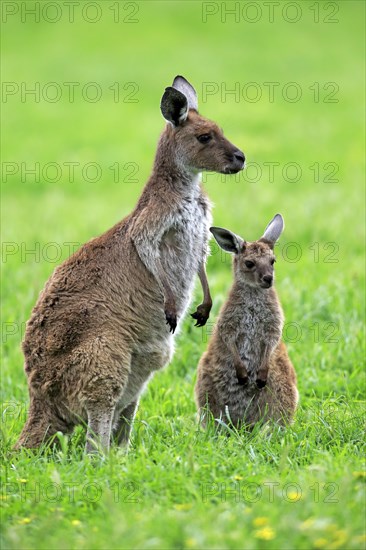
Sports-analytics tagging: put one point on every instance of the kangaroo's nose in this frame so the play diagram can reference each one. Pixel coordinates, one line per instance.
(239, 156)
(268, 279)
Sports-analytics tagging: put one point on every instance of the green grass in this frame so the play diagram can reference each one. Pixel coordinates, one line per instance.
(180, 487)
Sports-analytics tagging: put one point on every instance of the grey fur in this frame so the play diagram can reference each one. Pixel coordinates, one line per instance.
(246, 375)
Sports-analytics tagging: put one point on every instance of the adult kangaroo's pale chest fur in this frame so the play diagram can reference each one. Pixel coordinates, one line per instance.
(105, 319)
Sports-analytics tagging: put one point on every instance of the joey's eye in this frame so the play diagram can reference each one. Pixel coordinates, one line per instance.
(273, 261)
(249, 264)
(204, 138)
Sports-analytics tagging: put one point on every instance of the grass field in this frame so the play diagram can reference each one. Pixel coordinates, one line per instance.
(297, 114)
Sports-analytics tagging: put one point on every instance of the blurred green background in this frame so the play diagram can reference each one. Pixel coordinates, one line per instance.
(304, 146)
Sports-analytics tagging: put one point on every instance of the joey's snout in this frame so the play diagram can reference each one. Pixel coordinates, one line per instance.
(267, 281)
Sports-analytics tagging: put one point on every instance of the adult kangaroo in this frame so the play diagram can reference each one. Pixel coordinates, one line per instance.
(104, 321)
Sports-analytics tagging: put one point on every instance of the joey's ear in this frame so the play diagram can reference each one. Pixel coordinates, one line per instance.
(274, 229)
(182, 85)
(174, 106)
(227, 240)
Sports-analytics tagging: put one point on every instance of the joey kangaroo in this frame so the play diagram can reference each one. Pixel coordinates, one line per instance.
(105, 319)
(246, 375)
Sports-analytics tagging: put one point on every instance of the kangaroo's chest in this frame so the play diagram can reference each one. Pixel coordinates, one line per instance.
(184, 244)
(257, 328)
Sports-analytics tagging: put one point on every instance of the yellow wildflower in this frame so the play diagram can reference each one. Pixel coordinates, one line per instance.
(359, 475)
(184, 506)
(294, 496)
(259, 522)
(340, 537)
(23, 480)
(321, 543)
(238, 478)
(24, 521)
(267, 533)
(75, 522)
(307, 523)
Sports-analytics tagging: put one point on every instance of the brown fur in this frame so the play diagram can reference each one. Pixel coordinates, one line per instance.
(246, 375)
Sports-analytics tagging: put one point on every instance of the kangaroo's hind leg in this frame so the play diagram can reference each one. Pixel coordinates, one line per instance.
(42, 423)
(142, 367)
(99, 427)
(108, 377)
(124, 424)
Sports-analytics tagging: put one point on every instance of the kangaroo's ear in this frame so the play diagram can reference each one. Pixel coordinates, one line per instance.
(174, 106)
(274, 229)
(182, 85)
(227, 240)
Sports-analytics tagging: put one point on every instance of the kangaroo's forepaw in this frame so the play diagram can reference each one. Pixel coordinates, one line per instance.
(241, 373)
(261, 383)
(171, 320)
(243, 381)
(201, 315)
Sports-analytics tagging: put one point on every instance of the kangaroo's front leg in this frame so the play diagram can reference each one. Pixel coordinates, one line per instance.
(170, 308)
(239, 365)
(202, 313)
(147, 233)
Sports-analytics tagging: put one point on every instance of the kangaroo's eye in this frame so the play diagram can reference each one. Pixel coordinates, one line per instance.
(249, 264)
(204, 138)
(273, 261)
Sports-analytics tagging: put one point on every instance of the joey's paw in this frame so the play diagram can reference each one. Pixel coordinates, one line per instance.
(241, 373)
(243, 381)
(260, 383)
(171, 320)
(201, 315)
